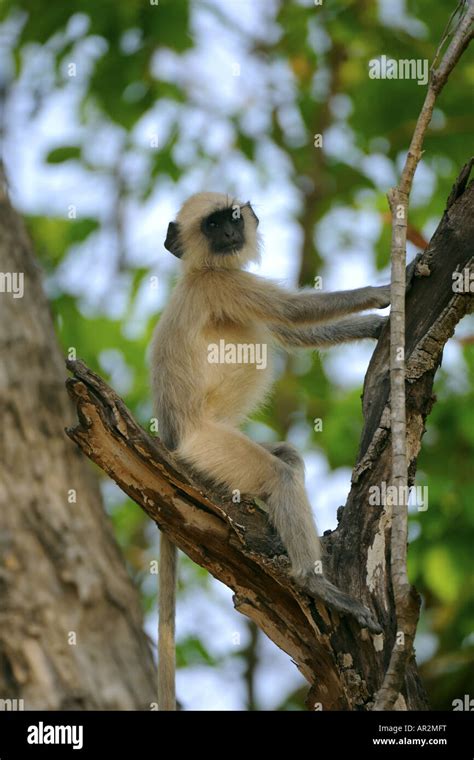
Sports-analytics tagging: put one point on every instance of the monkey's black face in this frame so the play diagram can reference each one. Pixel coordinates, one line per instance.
(225, 230)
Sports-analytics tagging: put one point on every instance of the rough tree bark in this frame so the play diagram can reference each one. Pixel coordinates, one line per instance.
(61, 571)
(343, 664)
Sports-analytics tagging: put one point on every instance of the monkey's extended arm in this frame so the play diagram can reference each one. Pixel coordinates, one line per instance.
(248, 294)
(342, 331)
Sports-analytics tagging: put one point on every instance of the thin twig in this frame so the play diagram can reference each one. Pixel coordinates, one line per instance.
(406, 604)
(447, 32)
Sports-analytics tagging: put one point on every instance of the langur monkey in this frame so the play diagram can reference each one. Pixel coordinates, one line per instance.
(200, 402)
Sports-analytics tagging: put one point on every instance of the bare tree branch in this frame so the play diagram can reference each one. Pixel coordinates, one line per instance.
(407, 608)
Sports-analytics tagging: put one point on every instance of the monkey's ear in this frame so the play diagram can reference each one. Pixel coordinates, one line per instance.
(257, 220)
(172, 242)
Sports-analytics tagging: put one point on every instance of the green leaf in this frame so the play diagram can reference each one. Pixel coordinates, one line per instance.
(64, 153)
(441, 573)
(191, 651)
(52, 236)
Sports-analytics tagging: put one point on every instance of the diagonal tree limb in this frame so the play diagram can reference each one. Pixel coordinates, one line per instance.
(232, 541)
(343, 664)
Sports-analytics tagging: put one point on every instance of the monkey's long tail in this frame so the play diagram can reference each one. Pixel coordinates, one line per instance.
(166, 625)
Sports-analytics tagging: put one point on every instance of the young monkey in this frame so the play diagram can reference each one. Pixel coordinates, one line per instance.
(200, 403)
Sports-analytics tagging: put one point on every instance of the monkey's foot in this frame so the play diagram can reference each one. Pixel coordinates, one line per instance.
(319, 587)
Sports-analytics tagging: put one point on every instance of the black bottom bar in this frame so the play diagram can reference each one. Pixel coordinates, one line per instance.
(84, 734)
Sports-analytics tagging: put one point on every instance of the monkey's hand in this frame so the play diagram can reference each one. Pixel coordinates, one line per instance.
(375, 325)
(319, 587)
(381, 296)
(382, 292)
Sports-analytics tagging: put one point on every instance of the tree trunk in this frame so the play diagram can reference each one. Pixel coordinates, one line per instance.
(71, 632)
(343, 664)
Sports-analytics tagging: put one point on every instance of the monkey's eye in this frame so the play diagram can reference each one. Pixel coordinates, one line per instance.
(213, 225)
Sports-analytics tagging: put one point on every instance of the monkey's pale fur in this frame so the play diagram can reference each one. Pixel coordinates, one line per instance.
(200, 405)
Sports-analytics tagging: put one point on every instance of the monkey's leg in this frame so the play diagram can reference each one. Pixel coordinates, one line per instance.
(230, 459)
(287, 453)
(233, 460)
(341, 331)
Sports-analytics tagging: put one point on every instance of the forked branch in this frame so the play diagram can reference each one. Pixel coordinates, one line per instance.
(235, 542)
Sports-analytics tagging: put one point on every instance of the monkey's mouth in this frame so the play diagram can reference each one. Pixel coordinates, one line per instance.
(229, 249)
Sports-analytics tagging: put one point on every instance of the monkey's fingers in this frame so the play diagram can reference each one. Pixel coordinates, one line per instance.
(410, 272)
(381, 296)
(376, 325)
(320, 588)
